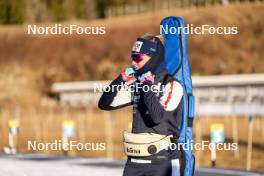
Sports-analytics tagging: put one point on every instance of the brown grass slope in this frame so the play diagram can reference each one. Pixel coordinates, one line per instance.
(91, 57)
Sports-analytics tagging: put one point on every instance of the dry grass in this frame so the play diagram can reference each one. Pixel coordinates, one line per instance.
(69, 58)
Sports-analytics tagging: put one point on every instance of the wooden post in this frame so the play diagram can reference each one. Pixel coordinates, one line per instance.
(81, 127)
(235, 136)
(250, 137)
(65, 140)
(213, 155)
(46, 127)
(35, 121)
(88, 121)
(11, 143)
(198, 135)
(13, 125)
(109, 135)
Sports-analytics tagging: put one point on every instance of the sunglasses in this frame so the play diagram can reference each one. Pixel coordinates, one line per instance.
(137, 57)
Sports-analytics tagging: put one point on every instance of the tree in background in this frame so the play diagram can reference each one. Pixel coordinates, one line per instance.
(36, 11)
(79, 7)
(57, 9)
(12, 12)
(101, 7)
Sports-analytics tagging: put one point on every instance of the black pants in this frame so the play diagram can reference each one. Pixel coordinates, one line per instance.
(137, 167)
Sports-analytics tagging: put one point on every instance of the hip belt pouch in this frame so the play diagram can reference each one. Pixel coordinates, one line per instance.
(145, 144)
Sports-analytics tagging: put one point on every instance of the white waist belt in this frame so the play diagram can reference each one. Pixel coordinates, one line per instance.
(145, 144)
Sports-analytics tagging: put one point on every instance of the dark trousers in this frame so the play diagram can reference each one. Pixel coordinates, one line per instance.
(139, 167)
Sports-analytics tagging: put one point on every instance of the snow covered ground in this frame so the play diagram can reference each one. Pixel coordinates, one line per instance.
(44, 165)
(47, 165)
